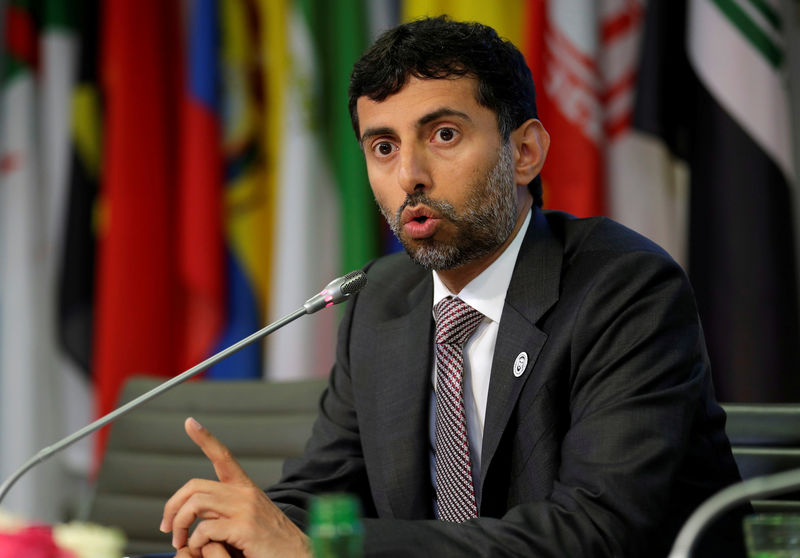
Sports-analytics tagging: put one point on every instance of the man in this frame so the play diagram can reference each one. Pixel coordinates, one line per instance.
(585, 423)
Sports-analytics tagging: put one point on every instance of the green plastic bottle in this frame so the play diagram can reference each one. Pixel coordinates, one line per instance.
(335, 527)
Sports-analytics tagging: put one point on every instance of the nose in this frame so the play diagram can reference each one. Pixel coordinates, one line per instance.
(413, 173)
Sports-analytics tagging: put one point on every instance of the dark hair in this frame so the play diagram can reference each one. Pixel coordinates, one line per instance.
(439, 48)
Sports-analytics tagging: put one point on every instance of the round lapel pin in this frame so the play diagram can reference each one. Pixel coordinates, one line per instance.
(520, 364)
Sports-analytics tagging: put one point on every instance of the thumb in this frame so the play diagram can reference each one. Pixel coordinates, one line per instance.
(226, 467)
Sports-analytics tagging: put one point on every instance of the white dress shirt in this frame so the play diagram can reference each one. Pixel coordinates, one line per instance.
(486, 294)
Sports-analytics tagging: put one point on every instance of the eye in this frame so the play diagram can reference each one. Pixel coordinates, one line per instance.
(383, 148)
(446, 135)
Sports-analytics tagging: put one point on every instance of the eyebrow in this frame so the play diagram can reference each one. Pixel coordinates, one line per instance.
(426, 119)
(373, 132)
(439, 113)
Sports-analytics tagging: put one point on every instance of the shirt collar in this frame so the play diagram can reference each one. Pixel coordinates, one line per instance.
(487, 292)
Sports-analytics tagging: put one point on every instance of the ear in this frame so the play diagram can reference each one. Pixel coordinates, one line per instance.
(531, 142)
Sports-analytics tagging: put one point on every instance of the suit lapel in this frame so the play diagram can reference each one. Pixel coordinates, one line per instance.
(404, 396)
(532, 291)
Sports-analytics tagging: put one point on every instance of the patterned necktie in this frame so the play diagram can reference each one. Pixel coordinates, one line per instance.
(456, 321)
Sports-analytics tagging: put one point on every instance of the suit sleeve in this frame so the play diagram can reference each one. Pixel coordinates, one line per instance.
(333, 459)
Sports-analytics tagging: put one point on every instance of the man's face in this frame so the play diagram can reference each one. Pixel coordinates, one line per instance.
(440, 173)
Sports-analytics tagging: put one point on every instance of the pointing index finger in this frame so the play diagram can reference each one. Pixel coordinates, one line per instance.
(225, 466)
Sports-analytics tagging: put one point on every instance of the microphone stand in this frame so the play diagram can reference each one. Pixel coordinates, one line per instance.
(336, 291)
(133, 404)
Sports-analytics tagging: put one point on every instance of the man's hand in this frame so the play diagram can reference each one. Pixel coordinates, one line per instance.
(233, 511)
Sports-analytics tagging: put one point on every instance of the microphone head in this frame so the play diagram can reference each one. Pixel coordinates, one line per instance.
(337, 291)
(353, 282)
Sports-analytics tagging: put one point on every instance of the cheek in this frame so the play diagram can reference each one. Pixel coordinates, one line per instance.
(386, 196)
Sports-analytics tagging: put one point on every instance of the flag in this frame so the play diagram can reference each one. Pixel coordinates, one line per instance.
(77, 262)
(585, 62)
(340, 33)
(136, 325)
(27, 422)
(561, 49)
(200, 212)
(504, 17)
(713, 87)
(306, 217)
(248, 190)
(59, 50)
(382, 15)
(646, 187)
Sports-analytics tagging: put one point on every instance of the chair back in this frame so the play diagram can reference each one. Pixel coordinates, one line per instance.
(149, 456)
(765, 439)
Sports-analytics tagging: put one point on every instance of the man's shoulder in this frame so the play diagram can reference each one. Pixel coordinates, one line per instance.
(395, 267)
(599, 236)
(391, 278)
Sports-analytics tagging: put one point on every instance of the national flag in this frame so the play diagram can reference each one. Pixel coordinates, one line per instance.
(59, 50)
(561, 48)
(307, 209)
(585, 63)
(76, 266)
(645, 188)
(504, 17)
(382, 15)
(201, 249)
(136, 319)
(713, 86)
(26, 345)
(340, 32)
(249, 179)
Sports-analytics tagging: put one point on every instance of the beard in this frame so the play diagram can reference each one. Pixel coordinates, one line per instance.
(484, 224)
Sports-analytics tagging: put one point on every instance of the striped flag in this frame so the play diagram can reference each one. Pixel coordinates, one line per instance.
(306, 217)
(715, 87)
(248, 192)
(742, 224)
(136, 317)
(27, 395)
(200, 226)
(76, 265)
(585, 62)
(562, 45)
(645, 188)
(340, 32)
(59, 49)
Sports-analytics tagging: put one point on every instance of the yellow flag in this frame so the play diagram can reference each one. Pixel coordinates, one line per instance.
(505, 17)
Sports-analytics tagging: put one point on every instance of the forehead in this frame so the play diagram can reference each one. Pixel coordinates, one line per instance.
(421, 97)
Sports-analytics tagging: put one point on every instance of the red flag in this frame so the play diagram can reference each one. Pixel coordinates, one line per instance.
(568, 101)
(136, 321)
(201, 235)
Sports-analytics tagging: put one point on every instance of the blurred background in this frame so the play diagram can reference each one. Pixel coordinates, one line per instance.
(175, 174)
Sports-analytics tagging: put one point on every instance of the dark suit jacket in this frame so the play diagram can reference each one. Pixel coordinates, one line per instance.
(604, 445)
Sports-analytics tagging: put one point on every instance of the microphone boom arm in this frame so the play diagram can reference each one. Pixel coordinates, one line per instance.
(336, 291)
(133, 404)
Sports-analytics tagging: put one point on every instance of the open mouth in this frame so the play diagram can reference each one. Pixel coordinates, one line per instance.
(420, 222)
(418, 214)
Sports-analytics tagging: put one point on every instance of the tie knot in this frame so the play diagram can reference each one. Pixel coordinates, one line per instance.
(455, 321)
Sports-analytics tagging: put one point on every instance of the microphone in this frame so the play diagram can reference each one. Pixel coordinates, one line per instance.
(338, 290)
